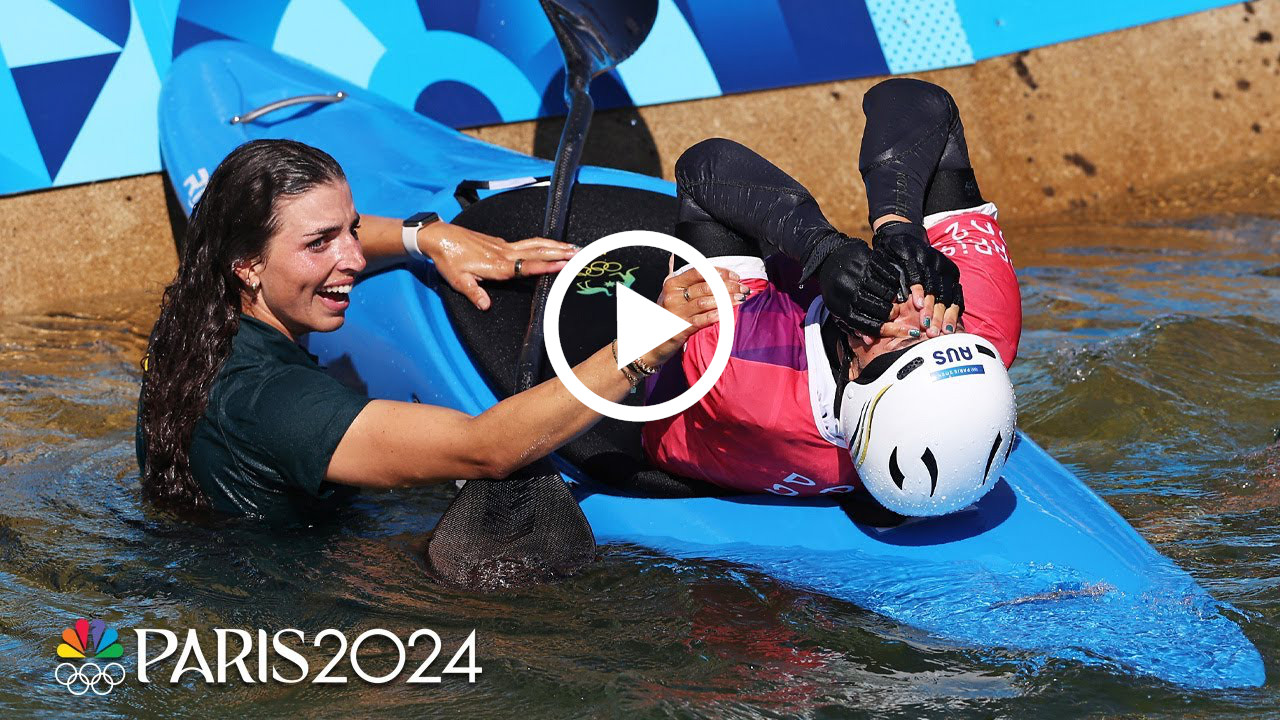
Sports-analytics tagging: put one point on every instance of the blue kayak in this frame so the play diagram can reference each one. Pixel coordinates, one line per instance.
(1041, 564)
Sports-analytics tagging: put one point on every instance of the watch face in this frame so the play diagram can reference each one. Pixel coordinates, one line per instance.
(419, 219)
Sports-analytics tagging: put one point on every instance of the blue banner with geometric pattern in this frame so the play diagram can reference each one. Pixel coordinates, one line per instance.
(79, 79)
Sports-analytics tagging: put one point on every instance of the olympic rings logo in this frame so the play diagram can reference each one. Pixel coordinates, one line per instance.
(601, 267)
(80, 680)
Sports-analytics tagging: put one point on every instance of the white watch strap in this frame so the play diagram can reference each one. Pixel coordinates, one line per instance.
(409, 236)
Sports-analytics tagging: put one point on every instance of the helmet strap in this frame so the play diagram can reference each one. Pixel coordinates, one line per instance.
(835, 341)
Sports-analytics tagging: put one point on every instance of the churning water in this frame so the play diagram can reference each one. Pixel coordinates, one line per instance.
(1150, 365)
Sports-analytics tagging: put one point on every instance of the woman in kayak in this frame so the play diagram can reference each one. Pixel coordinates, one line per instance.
(234, 416)
(875, 383)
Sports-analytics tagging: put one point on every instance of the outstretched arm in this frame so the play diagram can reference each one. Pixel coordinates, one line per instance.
(396, 444)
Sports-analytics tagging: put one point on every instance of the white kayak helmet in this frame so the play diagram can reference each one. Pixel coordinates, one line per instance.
(930, 434)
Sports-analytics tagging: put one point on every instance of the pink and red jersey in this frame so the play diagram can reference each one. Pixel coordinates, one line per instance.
(768, 424)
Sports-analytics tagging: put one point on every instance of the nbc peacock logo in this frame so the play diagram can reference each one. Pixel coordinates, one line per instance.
(89, 640)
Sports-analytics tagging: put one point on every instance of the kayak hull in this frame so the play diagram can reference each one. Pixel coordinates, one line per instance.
(1041, 564)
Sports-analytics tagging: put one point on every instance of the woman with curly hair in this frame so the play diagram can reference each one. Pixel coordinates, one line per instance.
(235, 417)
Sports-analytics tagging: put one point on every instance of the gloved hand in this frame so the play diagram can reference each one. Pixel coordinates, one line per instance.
(907, 245)
(859, 286)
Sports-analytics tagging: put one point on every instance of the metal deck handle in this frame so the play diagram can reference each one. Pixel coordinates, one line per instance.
(299, 100)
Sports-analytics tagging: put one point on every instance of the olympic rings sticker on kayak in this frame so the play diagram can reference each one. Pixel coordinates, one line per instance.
(564, 283)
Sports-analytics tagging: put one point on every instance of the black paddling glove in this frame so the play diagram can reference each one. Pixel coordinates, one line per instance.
(907, 245)
(859, 286)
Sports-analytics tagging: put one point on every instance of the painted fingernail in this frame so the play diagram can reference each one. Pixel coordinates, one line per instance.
(914, 333)
(746, 290)
(740, 297)
(927, 321)
(950, 328)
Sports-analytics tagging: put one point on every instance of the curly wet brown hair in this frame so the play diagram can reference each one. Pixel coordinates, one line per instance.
(200, 311)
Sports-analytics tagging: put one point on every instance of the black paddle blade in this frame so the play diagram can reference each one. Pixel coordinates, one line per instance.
(596, 35)
(499, 535)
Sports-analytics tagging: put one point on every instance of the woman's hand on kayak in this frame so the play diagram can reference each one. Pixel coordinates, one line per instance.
(465, 257)
(688, 296)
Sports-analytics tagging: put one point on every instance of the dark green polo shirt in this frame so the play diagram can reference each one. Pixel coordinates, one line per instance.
(273, 420)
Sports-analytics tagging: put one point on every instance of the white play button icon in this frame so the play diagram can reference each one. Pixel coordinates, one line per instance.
(642, 325)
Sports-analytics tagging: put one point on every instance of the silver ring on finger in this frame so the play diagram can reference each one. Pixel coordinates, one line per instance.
(519, 266)
(686, 295)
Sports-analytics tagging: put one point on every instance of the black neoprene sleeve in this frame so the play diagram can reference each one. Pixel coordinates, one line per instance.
(732, 197)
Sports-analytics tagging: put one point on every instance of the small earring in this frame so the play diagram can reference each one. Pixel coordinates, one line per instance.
(254, 286)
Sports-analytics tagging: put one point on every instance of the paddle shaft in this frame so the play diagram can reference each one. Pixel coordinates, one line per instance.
(568, 159)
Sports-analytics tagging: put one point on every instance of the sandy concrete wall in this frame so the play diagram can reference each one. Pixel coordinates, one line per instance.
(1175, 119)
(84, 241)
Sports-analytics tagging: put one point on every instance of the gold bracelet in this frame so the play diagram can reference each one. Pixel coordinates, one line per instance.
(642, 367)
